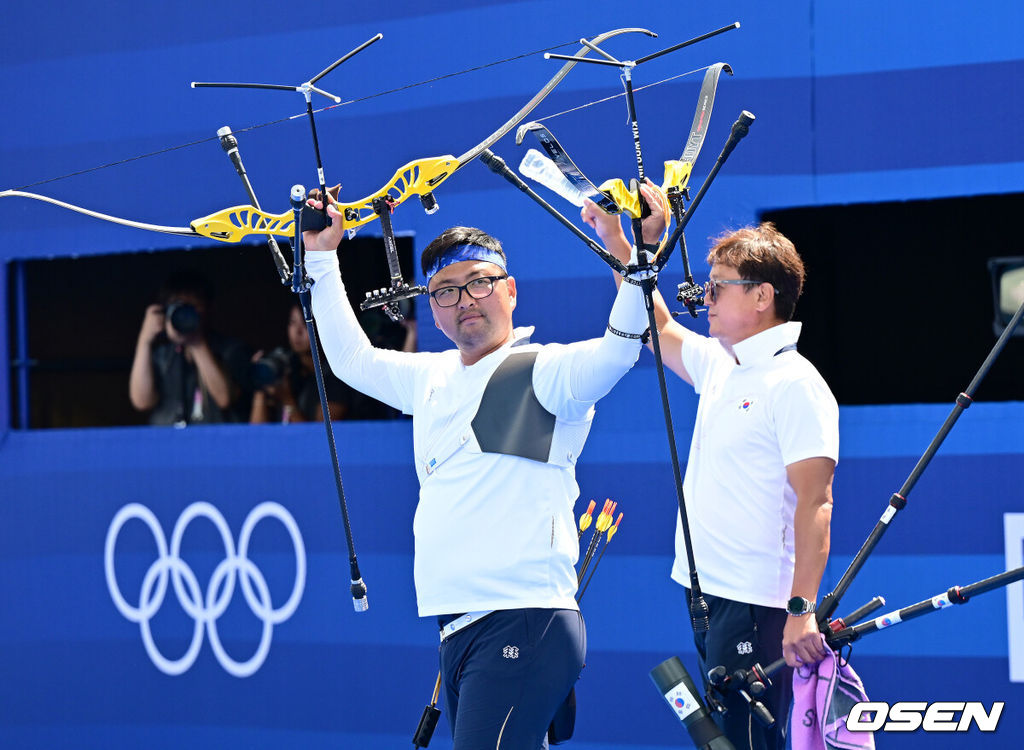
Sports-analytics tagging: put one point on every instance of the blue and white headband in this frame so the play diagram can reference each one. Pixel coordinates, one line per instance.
(459, 253)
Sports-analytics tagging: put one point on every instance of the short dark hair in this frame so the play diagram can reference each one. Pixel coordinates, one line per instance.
(449, 238)
(763, 253)
(186, 281)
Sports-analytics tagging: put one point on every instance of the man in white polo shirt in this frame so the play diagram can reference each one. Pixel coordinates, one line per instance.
(498, 424)
(758, 484)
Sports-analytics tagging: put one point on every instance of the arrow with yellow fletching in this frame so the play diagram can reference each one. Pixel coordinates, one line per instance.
(587, 518)
(604, 520)
(611, 529)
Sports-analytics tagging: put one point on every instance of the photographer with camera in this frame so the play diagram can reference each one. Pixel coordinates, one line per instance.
(182, 373)
(284, 384)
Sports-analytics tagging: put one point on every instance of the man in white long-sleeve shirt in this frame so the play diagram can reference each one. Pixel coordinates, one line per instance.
(498, 425)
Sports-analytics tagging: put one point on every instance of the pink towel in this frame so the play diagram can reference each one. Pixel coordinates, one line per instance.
(823, 695)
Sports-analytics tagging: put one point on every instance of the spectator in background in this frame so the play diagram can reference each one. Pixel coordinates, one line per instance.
(384, 333)
(285, 385)
(182, 372)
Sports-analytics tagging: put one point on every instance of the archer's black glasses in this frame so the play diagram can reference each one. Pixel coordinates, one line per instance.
(478, 288)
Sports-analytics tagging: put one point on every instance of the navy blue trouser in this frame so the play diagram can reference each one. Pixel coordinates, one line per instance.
(740, 636)
(506, 675)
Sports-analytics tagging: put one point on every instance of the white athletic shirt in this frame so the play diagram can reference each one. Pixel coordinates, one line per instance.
(753, 420)
(492, 531)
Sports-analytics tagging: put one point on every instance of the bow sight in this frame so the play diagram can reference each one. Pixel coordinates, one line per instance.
(389, 298)
(691, 295)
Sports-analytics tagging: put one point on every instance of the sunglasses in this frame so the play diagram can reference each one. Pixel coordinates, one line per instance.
(711, 287)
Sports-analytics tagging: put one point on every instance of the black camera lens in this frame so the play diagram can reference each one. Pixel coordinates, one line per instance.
(184, 317)
(270, 368)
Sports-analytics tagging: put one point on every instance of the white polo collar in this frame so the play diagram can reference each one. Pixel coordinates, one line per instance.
(521, 335)
(762, 346)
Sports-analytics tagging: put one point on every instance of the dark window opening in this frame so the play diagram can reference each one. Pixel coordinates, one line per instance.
(898, 304)
(82, 318)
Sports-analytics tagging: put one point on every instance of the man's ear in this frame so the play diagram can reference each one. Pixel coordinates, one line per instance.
(433, 314)
(511, 281)
(765, 297)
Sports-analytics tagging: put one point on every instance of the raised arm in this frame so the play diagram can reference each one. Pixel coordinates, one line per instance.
(609, 230)
(589, 369)
(384, 374)
(584, 372)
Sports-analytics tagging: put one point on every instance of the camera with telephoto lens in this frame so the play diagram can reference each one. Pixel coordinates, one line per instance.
(270, 368)
(183, 316)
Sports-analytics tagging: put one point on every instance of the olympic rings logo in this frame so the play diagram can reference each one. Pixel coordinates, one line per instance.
(205, 609)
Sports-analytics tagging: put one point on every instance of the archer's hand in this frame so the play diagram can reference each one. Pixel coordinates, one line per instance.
(328, 238)
(655, 224)
(801, 641)
(607, 226)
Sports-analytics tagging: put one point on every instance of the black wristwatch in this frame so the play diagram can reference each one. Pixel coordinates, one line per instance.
(799, 606)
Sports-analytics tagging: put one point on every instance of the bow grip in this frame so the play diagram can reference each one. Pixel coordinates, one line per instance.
(418, 177)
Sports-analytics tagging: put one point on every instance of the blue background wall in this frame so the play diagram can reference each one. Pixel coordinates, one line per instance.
(882, 101)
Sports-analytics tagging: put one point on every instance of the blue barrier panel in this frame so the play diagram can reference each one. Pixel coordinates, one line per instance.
(117, 655)
(874, 102)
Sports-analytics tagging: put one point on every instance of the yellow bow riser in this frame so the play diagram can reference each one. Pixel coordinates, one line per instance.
(418, 177)
(677, 174)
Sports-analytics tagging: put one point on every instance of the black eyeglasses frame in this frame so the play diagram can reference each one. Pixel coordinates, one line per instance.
(465, 287)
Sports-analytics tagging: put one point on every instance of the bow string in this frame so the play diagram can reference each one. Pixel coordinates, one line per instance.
(418, 177)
